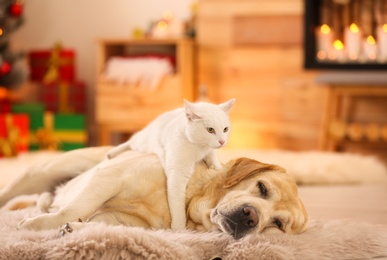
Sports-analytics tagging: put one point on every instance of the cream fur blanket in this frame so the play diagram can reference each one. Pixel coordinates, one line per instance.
(323, 240)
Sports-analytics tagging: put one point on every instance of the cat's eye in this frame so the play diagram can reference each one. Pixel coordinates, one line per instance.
(278, 223)
(262, 189)
(225, 129)
(211, 130)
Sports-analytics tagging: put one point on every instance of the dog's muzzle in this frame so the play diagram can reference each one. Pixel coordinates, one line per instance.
(240, 222)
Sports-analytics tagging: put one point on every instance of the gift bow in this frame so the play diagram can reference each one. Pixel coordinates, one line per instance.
(44, 136)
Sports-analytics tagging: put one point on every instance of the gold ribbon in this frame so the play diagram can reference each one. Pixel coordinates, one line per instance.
(71, 136)
(12, 139)
(54, 63)
(64, 98)
(52, 75)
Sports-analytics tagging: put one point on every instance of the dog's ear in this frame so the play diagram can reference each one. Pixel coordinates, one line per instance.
(244, 168)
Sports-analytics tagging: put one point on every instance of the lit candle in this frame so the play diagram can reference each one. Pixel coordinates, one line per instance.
(324, 41)
(382, 42)
(338, 51)
(370, 48)
(352, 40)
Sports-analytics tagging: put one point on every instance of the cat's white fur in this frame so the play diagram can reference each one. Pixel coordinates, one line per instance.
(181, 138)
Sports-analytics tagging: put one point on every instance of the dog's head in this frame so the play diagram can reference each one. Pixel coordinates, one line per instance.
(259, 198)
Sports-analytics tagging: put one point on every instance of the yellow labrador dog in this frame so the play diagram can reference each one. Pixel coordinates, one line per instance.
(245, 197)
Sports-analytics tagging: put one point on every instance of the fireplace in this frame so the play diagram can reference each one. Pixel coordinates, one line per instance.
(345, 34)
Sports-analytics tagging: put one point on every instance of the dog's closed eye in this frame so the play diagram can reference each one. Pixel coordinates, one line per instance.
(262, 189)
(278, 223)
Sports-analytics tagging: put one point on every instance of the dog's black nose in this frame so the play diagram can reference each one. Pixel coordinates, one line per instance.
(242, 221)
(250, 218)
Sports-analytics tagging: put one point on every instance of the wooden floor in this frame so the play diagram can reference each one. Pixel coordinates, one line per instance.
(361, 203)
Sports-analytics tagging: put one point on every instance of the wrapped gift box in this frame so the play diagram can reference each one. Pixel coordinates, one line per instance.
(69, 129)
(35, 112)
(5, 106)
(14, 134)
(64, 97)
(53, 131)
(44, 62)
(60, 132)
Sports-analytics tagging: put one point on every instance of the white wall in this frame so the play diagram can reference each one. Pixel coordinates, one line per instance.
(78, 23)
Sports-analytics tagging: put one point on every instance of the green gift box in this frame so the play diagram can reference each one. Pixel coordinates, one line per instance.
(69, 129)
(35, 112)
(61, 131)
(53, 131)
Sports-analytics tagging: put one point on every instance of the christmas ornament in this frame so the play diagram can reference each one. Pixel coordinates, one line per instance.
(16, 9)
(5, 68)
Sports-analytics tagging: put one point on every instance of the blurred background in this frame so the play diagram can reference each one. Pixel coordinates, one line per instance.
(307, 75)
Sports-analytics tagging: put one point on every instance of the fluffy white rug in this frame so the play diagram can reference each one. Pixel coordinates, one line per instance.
(316, 167)
(329, 240)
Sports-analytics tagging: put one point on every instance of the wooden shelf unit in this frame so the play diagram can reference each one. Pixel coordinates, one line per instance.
(337, 121)
(127, 109)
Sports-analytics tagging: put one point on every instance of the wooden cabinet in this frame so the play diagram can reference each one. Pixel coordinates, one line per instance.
(127, 109)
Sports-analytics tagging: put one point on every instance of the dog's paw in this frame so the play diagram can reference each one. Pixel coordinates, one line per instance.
(27, 223)
(66, 229)
(20, 224)
(70, 227)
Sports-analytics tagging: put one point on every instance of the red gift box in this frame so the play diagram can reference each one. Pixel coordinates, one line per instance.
(14, 134)
(64, 97)
(61, 60)
(5, 106)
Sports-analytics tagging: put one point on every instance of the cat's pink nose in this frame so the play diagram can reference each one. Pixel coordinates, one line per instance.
(221, 142)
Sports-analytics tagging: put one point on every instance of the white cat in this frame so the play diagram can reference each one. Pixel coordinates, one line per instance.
(181, 138)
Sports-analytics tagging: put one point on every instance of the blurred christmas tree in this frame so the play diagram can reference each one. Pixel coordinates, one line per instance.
(11, 18)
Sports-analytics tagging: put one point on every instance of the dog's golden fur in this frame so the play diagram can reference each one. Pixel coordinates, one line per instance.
(246, 196)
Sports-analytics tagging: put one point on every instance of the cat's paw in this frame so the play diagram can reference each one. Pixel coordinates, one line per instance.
(178, 225)
(212, 163)
(216, 167)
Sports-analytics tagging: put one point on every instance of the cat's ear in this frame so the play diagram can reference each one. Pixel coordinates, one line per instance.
(227, 105)
(189, 111)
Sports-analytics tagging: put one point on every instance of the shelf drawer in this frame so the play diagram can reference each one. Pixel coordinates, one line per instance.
(130, 108)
